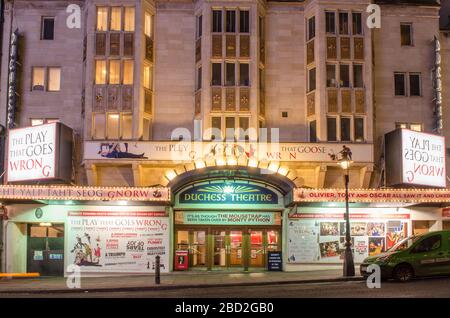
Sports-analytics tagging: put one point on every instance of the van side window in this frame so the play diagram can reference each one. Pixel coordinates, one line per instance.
(428, 244)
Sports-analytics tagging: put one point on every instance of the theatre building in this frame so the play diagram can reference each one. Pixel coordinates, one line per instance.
(214, 134)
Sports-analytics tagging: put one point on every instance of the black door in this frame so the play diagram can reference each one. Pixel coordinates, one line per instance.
(45, 249)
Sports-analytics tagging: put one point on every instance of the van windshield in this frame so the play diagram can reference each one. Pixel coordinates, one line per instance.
(404, 244)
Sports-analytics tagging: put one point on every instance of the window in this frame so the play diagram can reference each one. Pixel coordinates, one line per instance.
(199, 79)
(312, 131)
(116, 19)
(114, 44)
(244, 21)
(231, 21)
(128, 72)
(243, 128)
(230, 125)
(343, 23)
(400, 84)
(345, 129)
(284, 114)
(331, 129)
(330, 22)
(358, 76)
(356, 23)
(414, 84)
(428, 244)
(244, 79)
(412, 126)
(113, 126)
(230, 74)
(331, 75)
(48, 28)
(99, 126)
(216, 74)
(114, 72)
(217, 21)
(406, 34)
(344, 75)
(216, 125)
(359, 129)
(416, 127)
(38, 83)
(127, 126)
(147, 129)
(311, 28)
(148, 25)
(311, 79)
(54, 79)
(148, 77)
(129, 19)
(199, 27)
(100, 72)
(102, 19)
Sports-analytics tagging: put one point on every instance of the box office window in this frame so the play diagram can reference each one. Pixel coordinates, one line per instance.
(102, 19)
(48, 28)
(231, 21)
(330, 22)
(345, 129)
(331, 129)
(216, 74)
(244, 21)
(244, 79)
(400, 84)
(217, 21)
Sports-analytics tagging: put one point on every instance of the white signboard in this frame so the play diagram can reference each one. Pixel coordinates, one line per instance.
(102, 241)
(31, 153)
(189, 151)
(423, 158)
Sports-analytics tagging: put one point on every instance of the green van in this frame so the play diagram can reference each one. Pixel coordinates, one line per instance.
(422, 255)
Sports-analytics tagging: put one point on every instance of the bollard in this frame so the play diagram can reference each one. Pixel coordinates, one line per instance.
(157, 270)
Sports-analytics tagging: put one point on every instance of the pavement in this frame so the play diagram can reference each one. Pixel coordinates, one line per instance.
(174, 280)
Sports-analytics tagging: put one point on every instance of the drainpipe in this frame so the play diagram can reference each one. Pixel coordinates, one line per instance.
(2, 134)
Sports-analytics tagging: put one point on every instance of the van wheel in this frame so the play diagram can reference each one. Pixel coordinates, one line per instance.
(403, 273)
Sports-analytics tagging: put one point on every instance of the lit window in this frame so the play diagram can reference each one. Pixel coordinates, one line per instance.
(102, 18)
(116, 19)
(148, 77)
(113, 126)
(52, 120)
(54, 79)
(99, 125)
(129, 19)
(114, 72)
(38, 79)
(127, 126)
(148, 25)
(100, 72)
(37, 121)
(128, 72)
(415, 127)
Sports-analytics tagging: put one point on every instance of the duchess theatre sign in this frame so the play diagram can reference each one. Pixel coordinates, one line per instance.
(415, 158)
(41, 152)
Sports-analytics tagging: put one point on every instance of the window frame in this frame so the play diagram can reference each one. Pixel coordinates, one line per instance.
(43, 19)
(411, 34)
(327, 13)
(419, 75)
(405, 88)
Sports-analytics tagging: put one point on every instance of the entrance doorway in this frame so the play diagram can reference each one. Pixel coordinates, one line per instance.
(227, 248)
(45, 249)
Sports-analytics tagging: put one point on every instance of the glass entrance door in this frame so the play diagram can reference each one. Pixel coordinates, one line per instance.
(219, 248)
(227, 248)
(235, 248)
(195, 242)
